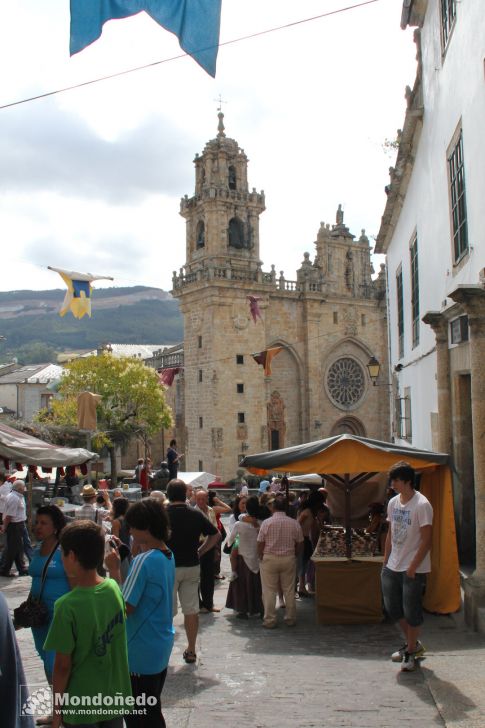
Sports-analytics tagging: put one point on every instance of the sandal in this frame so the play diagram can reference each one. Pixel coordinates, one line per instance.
(190, 657)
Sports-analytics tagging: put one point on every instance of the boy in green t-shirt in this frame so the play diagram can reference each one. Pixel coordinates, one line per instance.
(91, 681)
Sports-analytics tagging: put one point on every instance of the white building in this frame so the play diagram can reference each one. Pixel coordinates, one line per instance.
(433, 233)
(25, 390)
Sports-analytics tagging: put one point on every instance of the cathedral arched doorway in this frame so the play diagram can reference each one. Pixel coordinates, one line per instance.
(284, 405)
(348, 426)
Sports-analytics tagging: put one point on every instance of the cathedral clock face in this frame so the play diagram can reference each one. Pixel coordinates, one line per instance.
(345, 383)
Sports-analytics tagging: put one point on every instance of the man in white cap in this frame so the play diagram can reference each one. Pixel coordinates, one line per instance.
(14, 517)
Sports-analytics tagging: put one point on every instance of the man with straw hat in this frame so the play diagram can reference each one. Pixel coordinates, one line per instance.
(91, 511)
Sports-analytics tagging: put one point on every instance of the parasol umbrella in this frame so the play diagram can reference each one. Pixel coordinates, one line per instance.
(18, 447)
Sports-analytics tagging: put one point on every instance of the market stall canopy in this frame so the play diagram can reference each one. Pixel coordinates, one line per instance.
(340, 454)
(18, 447)
(196, 480)
(338, 458)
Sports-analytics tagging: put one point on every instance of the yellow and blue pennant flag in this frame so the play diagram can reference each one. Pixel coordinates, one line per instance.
(78, 294)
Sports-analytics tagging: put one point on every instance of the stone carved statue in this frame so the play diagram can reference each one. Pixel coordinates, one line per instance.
(349, 270)
(217, 436)
(276, 416)
(276, 409)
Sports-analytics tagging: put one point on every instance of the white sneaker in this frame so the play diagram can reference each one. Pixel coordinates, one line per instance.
(399, 654)
(408, 663)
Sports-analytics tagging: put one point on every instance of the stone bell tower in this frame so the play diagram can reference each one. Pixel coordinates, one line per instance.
(223, 406)
(222, 216)
(326, 325)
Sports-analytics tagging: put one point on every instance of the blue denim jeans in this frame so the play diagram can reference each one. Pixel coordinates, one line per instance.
(403, 596)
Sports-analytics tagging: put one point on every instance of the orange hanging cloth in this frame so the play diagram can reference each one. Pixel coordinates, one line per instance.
(265, 358)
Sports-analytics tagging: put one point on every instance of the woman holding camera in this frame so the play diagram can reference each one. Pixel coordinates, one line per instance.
(49, 523)
(120, 529)
(148, 594)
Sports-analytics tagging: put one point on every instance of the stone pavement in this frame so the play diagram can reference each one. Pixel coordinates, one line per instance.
(310, 675)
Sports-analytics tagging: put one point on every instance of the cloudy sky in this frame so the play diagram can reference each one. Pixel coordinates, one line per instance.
(91, 179)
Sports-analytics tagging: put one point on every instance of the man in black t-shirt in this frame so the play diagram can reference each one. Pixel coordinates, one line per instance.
(186, 528)
(173, 459)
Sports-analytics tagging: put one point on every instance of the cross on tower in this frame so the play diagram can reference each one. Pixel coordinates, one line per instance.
(220, 101)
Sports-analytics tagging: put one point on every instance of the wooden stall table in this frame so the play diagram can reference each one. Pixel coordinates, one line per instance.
(348, 591)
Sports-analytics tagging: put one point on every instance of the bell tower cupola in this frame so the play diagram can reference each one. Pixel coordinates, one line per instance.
(223, 215)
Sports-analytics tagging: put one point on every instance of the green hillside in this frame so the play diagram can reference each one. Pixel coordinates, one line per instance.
(57, 294)
(149, 321)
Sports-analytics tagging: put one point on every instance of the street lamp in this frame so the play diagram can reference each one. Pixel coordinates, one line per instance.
(373, 367)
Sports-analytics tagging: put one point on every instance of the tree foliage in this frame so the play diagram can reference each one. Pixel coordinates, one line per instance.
(36, 352)
(132, 403)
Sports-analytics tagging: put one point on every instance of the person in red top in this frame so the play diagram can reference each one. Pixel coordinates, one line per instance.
(145, 473)
(280, 541)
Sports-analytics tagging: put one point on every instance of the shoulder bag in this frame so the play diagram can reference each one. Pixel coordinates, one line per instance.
(33, 612)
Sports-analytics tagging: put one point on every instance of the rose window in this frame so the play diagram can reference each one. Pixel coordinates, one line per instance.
(346, 382)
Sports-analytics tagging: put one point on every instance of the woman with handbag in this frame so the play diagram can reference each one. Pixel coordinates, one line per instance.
(244, 595)
(49, 580)
(219, 507)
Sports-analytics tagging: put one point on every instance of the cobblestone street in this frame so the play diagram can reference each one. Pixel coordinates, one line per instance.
(310, 675)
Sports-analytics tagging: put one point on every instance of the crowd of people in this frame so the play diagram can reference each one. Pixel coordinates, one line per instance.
(163, 553)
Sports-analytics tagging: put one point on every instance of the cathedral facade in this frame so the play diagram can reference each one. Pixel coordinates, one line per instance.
(327, 324)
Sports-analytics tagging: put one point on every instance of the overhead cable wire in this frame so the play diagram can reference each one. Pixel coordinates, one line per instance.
(184, 55)
(277, 341)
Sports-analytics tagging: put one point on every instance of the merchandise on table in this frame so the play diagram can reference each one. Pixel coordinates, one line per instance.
(332, 542)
